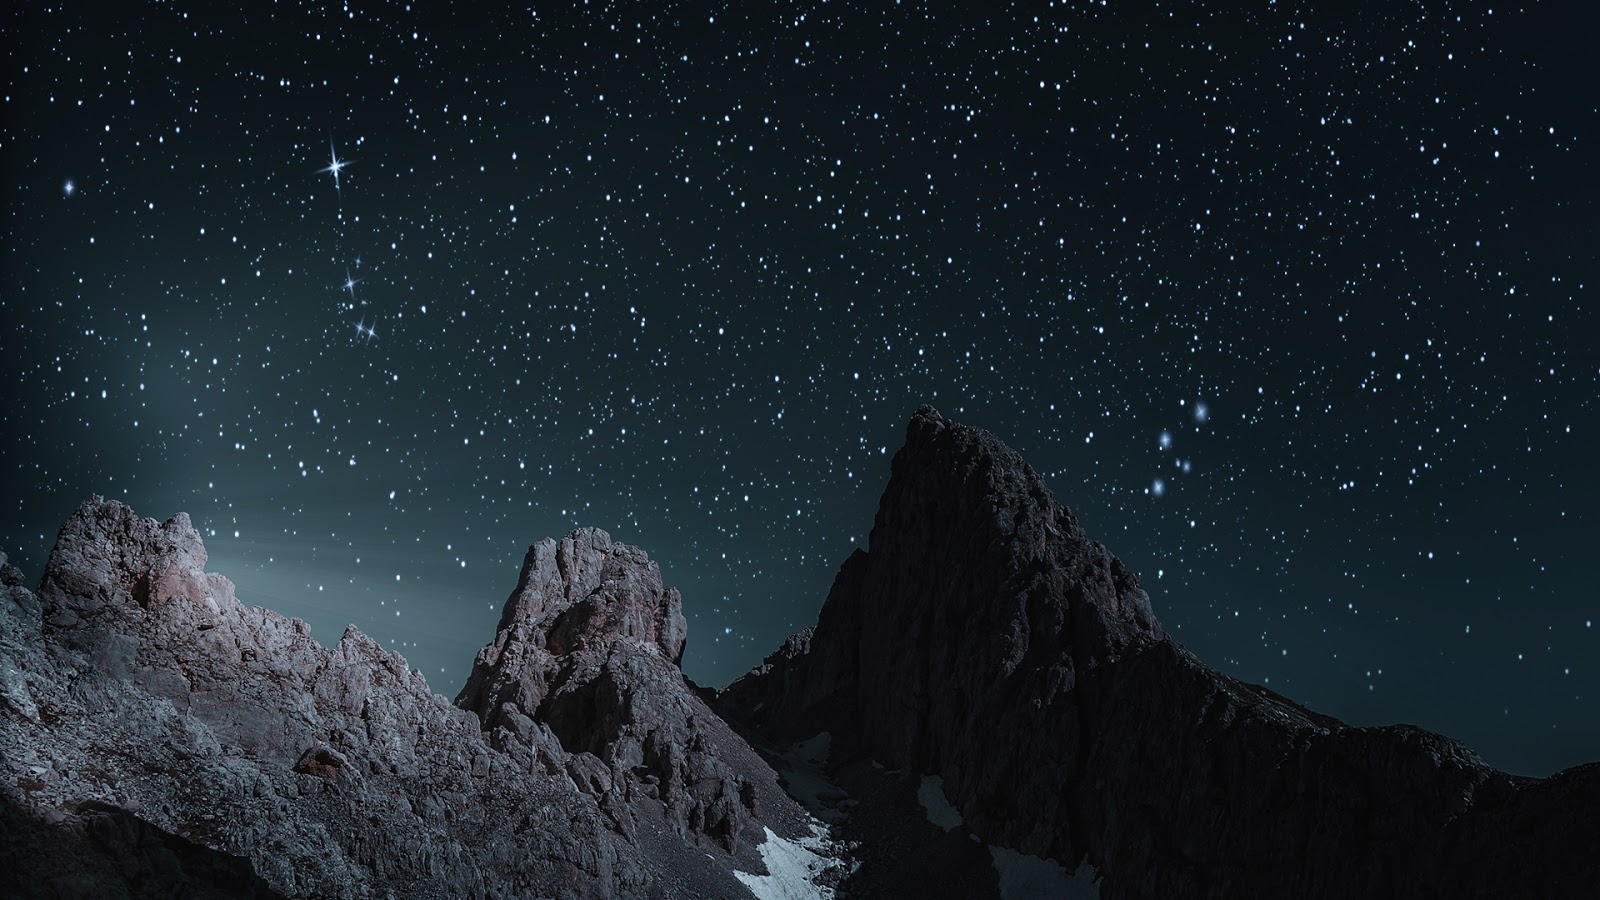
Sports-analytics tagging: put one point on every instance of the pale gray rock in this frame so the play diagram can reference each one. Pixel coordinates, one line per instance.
(589, 644)
(165, 733)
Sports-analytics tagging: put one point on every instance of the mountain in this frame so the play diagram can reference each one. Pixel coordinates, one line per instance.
(986, 641)
(161, 739)
(987, 707)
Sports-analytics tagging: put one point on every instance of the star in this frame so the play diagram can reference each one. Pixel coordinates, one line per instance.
(335, 165)
(350, 285)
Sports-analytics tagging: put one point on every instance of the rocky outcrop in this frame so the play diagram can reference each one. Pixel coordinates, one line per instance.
(180, 743)
(984, 639)
(585, 660)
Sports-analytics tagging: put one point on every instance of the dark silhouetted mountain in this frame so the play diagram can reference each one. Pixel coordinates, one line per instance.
(986, 640)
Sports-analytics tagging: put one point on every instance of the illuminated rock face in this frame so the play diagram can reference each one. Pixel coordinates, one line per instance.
(983, 638)
(156, 732)
(582, 676)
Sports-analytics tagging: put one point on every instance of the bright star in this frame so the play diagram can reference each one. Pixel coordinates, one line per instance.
(350, 285)
(335, 165)
(69, 187)
(365, 331)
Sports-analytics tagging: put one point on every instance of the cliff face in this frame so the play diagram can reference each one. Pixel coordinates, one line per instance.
(583, 673)
(157, 735)
(984, 639)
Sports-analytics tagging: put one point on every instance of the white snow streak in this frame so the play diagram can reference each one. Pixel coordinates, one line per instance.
(791, 866)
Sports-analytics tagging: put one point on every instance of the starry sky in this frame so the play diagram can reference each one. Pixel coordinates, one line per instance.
(1290, 303)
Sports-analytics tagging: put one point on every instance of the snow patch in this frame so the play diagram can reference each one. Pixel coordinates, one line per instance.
(1023, 876)
(931, 795)
(792, 868)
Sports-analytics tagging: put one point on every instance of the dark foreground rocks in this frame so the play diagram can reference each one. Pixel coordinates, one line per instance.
(985, 640)
(161, 739)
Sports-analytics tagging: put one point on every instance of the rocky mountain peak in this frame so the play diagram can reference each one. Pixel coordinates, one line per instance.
(973, 574)
(585, 659)
(960, 495)
(109, 559)
(581, 591)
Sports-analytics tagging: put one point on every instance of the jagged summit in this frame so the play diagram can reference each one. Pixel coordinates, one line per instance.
(583, 673)
(572, 595)
(991, 578)
(958, 473)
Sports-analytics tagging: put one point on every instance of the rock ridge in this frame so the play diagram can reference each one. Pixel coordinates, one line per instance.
(160, 738)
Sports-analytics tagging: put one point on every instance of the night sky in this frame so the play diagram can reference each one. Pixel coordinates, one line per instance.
(1292, 306)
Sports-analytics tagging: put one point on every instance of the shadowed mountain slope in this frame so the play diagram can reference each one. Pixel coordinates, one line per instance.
(983, 638)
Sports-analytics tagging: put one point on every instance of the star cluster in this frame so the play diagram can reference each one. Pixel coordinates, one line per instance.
(1289, 302)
